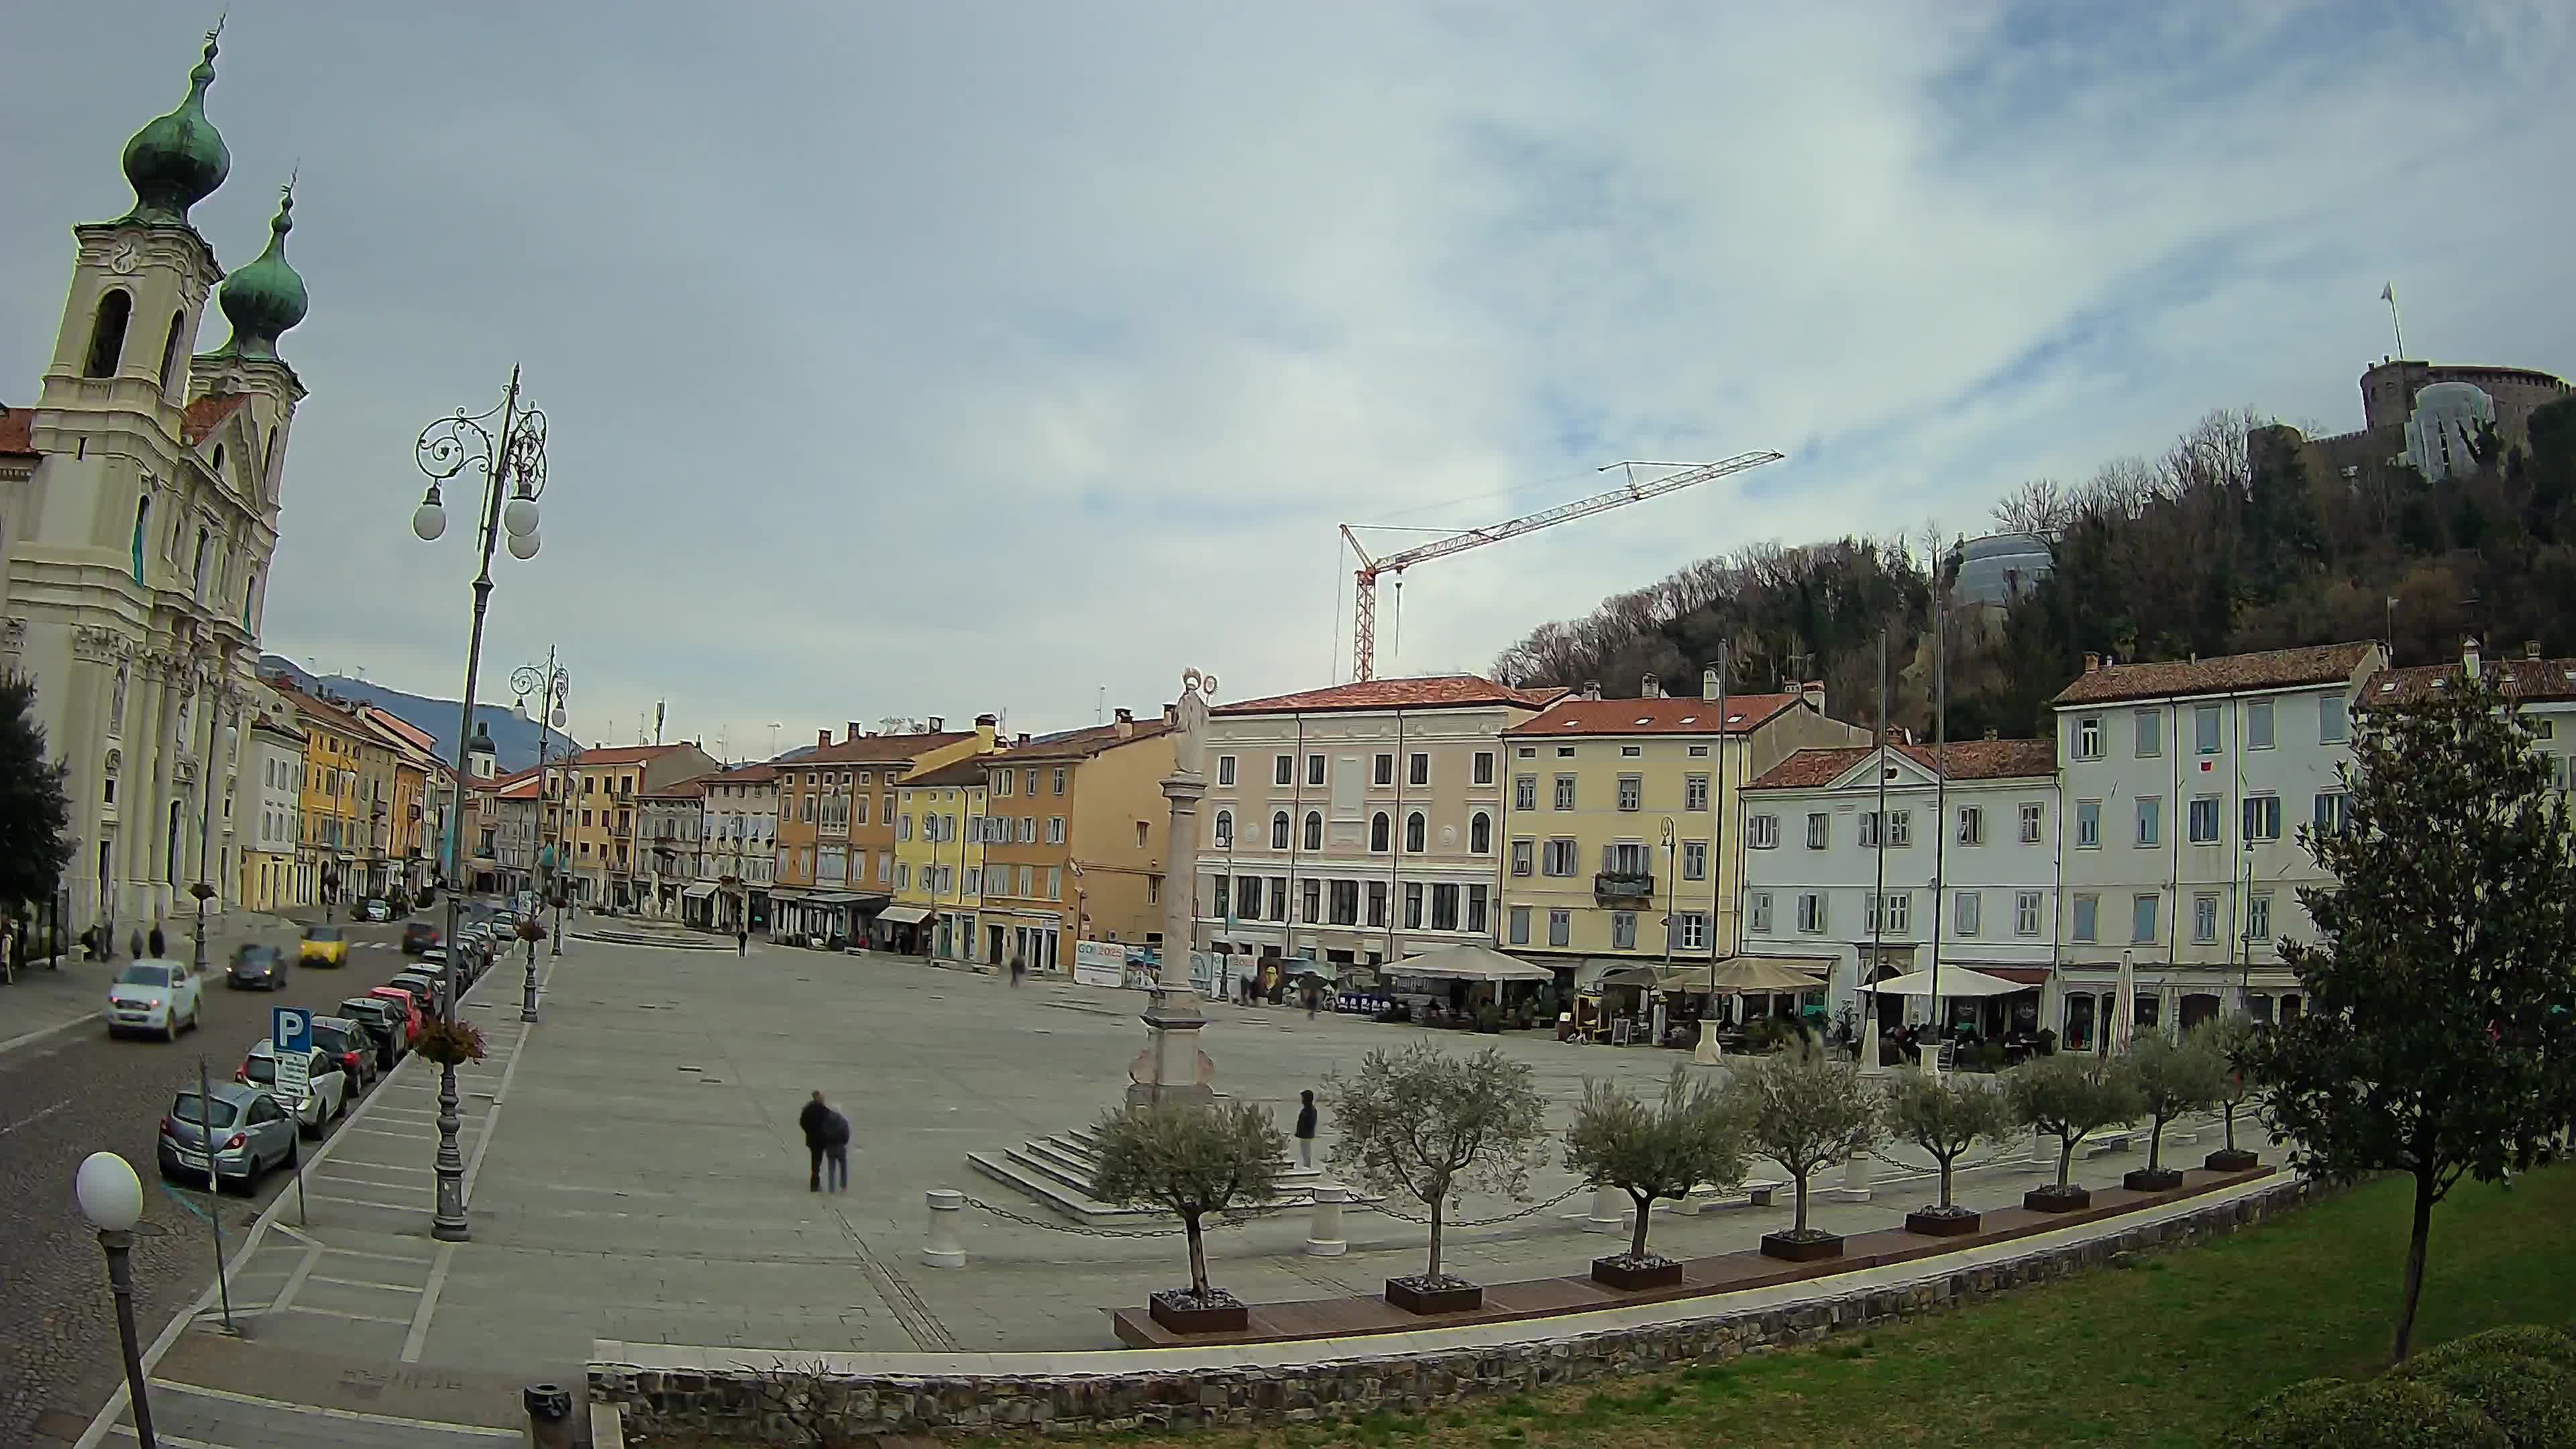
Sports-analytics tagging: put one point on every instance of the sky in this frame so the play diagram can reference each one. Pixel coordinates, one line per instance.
(908, 360)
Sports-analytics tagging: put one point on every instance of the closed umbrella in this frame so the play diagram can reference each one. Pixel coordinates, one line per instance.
(2124, 1011)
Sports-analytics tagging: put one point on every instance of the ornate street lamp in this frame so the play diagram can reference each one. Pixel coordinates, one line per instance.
(508, 445)
(111, 1197)
(553, 686)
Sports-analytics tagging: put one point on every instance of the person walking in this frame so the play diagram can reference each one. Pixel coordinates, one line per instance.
(816, 1123)
(1019, 968)
(836, 1152)
(160, 943)
(134, 945)
(742, 941)
(1306, 1129)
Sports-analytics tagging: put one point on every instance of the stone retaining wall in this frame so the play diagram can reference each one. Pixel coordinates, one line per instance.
(761, 1405)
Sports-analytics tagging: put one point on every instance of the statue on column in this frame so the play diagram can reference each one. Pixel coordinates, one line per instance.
(1189, 714)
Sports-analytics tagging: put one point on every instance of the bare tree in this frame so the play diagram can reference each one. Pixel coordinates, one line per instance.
(2039, 507)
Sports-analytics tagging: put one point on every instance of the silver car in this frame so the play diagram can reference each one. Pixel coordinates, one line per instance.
(251, 1133)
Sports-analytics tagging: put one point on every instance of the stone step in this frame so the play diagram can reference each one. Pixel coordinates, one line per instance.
(1064, 1199)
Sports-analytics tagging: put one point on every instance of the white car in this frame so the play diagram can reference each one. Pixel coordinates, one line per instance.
(326, 1094)
(153, 995)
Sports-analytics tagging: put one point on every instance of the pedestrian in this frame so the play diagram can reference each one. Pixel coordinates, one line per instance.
(89, 941)
(160, 943)
(816, 1123)
(134, 943)
(1306, 1129)
(742, 941)
(836, 1152)
(1314, 999)
(1019, 968)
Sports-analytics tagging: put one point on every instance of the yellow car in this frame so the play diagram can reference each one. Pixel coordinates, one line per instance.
(323, 946)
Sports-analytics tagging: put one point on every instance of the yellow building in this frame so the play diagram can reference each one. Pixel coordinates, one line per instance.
(331, 837)
(608, 872)
(1618, 821)
(1075, 830)
(938, 860)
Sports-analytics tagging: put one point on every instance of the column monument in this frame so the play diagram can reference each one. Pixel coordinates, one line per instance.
(1172, 1068)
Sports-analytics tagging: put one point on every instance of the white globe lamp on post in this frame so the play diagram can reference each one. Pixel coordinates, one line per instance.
(111, 1197)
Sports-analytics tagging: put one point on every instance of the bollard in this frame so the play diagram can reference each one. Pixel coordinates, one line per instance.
(549, 1416)
(2043, 1152)
(1324, 1231)
(942, 1249)
(1856, 1174)
(1609, 1211)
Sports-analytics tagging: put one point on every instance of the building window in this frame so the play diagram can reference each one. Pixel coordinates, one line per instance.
(1247, 897)
(2204, 729)
(1314, 830)
(2025, 913)
(1314, 769)
(2151, 733)
(1820, 830)
(1565, 792)
(1413, 905)
(2088, 824)
(1565, 752)
(1632, 792)
(1972, 825)
(1899, 909)
(1623, 930)
(1695, 792)
(2262, 817)
(1811, 912)
(1313, 891)
(2204, 820)
(1382, 769)
(1762, 832)
(1345, 905)
(2033, 813)
(1225, 769)
(1967, 912)
(1519, 918)
(1630, 752)
(1525, 792)
(1484, 768)
(1694, 860)
(1444, 907)
(2258, 724)
(2088, 737)
(2151, 819)
(1004, 783)
(1055, 829)
(1757, 911)
(2329, 812)
(1279, 830)
(107, 333)
(1379, 832)
(1480, 834)
(2142, 919)
(1524, 854)
(1418, 769)
(2334, 726)
(1283, 772)
(2204, 918)
(1560, 927)
(1414, 831)
(2088, 918)
(1377, 903)
(2258, 917)
(1224, 828)
(1559, 857)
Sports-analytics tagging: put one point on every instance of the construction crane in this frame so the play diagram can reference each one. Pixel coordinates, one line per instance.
(1364, 608)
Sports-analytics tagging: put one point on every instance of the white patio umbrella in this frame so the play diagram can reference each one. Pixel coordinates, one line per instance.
(1468, 962)
(1955, 981)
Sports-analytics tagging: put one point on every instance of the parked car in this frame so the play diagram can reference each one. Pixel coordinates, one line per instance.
(409, 1006)
(376, 909)
(156, 996)
(262, 967)
(323, 946)
(423, 985)
(385, 1024)
(250, 1133)
(348, 1043)
(326, 1089)
(417, 937)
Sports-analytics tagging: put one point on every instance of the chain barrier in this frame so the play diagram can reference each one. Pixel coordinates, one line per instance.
(1447, 1223)
(1227, 1220)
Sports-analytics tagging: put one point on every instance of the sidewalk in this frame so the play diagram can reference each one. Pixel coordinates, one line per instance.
(46, 1000)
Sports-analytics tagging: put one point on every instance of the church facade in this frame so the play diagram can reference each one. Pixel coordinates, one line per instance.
(138, 515)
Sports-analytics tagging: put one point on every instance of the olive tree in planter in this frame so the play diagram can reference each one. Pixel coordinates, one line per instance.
(1693, 1136)
(1425, 1123)
(2173, 1078)
(1190, 1160)
(1808, 1111)
(2070, 1097)
(2233, 1040)
(1945, 1115)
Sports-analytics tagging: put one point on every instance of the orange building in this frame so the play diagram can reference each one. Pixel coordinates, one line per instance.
(836, 830)
(1074, 842)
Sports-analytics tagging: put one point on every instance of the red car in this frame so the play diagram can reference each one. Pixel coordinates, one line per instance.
(407, 1004)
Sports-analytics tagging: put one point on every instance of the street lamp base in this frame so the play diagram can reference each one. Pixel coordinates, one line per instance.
(451, 1232)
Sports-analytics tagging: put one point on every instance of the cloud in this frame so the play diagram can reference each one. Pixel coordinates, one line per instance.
(924, 362)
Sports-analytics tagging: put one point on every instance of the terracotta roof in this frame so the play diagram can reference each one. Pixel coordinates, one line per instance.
(875, 749)
(1437, 691)
(2272, 669)
(17, 427)
(275, 728)
(207, 414)
(692, 788)
(306, 703)
(623, 754)
(968, 771)
(1968, 760)
(2519, 679)
(1079, 744)
(1666, 716)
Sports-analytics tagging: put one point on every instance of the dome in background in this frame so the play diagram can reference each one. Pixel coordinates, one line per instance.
(1995, 568)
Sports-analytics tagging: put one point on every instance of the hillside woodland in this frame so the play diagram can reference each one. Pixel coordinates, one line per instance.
(2214, 547)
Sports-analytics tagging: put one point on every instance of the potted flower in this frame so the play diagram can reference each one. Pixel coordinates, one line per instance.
(450, 1043)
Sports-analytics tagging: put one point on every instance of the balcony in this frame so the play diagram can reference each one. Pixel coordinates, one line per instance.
(1623, 885)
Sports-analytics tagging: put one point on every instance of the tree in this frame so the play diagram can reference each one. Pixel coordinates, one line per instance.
(2174, 1078)
(1190, 1161)
(1425, 1123)
(35, 813)
(2436, 1041)
(2233, 1040)
(1945, 1115)
(1695, 1136)
(1808, 1112)
(2070, 1097)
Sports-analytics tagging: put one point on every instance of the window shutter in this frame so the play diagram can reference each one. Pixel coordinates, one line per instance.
(1609, 858)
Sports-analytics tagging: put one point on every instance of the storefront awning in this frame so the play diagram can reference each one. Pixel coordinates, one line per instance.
(842, 898)
(904, 915)
(698, 892)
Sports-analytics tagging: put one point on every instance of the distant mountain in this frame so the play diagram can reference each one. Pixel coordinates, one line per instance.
(515, 739)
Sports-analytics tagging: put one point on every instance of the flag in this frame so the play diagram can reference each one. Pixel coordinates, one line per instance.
(2388, 294)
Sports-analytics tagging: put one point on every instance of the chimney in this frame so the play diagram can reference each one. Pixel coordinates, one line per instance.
(1708, 685)
(1813, 691)
(851, 731)
(824, 737)
(985, 727)
(2530, 648)
(1650, 687)
(1126, 723)
(1592, 689)
(2469, 656)
(2092, 662)
(1023, 739)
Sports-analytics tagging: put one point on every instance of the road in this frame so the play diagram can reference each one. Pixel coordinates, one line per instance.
(75, 1092)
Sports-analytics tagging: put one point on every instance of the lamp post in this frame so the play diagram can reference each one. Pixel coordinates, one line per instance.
(202, 890)
(513, 464)
(111, 1197)
(553, 686)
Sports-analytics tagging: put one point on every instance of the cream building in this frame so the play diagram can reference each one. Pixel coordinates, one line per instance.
(1356, 824)
(138, 512)
(736, 869)
(271, 817)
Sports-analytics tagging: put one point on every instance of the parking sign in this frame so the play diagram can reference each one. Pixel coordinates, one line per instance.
(290, 1037)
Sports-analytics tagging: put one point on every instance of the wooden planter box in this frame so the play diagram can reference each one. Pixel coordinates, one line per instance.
(1189, 1318)
(1942, 1225)
(2231, 1159)
(1801, 1250)
(2054, 1199)
(1405, 1294)
(1617, 1273)
(2163, 1179)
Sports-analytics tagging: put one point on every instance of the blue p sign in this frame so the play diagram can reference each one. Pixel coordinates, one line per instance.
(290, 1030)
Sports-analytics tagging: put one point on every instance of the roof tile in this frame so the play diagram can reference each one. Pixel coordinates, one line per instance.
(2271, 669)
(1661, 716)
(1437, 691)
(1967, 759)
(2519, 679)
(876, 749)
(207, 414)
(17, 427)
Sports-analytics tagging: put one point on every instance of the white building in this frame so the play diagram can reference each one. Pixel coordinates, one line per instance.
(2541, 691)
(1962, 871)
(138, 512)
(670, 827)
(2185, 783)
(735, 870)
(1292, 860)
(271, 817)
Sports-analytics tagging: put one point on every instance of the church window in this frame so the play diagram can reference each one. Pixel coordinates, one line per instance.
(170, 348)
(142, 512)
(107, 334)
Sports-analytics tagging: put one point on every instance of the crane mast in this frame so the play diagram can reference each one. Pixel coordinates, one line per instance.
(1364, 606)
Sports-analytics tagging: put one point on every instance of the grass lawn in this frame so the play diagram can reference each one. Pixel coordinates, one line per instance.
(2164, 1353)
